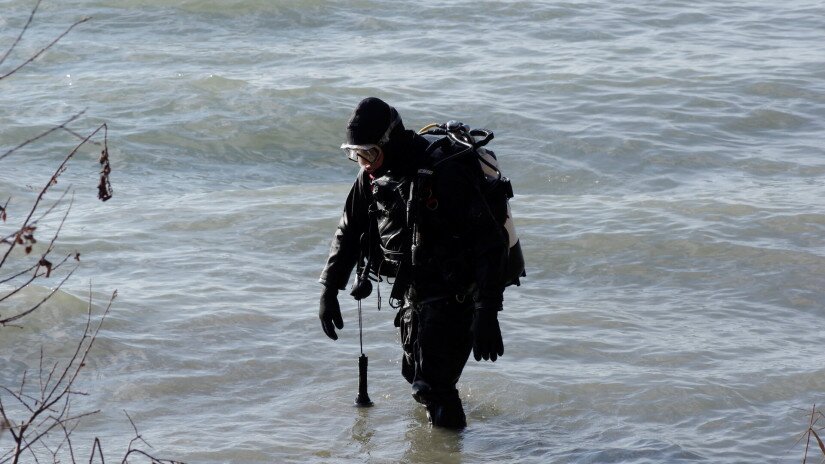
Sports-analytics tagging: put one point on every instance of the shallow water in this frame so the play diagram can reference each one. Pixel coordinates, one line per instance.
(668, 166)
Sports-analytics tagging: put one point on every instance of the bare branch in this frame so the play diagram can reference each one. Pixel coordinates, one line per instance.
(7, 321)
(35, 275)
(44, 385)
(52, 409)
(12, 277)
(79, 136)
(138, 437)
(814, 416)
(45, 403)
(43, 50)
(43, 262)
(51, 182)
(41, 135)
(54, 422)
(22, 31)
(152, 459)
(53, 206)
(96, 447)
(67, 434)
(57, 392)
(42, 216)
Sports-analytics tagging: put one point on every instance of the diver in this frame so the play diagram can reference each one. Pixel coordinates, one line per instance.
(430, 233)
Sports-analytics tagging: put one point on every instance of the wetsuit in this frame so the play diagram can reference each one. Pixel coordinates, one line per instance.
(459, 261)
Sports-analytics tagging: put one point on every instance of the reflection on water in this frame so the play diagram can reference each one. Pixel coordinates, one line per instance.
(363, 431)
(424, 443)
(431, 444)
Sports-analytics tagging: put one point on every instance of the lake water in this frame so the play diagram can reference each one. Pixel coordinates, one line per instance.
(669, 168)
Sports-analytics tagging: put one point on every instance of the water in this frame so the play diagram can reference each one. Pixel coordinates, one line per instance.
(669, 172)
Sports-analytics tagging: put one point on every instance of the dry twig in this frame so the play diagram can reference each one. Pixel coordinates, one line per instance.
(39, 52)
(31, 412)
(811, 432)
(24, 234)
(48, 407)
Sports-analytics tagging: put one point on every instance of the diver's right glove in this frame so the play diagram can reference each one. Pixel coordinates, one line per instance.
(487, 341)
(330, 312)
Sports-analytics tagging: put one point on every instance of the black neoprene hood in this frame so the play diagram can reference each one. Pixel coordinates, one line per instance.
(369, 121)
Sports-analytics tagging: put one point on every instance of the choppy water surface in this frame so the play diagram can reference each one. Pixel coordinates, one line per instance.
(669, 168)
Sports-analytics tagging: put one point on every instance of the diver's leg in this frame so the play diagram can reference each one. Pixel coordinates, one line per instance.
(407, 322)
(443, 341)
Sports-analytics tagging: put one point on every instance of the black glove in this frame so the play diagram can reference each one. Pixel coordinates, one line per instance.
(330, 312)
(487, 341)
(362, 288)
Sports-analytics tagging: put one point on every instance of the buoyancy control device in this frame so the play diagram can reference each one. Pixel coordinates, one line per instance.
(495, 187)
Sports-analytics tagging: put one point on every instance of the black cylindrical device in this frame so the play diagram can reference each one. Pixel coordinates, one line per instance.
(363, 400)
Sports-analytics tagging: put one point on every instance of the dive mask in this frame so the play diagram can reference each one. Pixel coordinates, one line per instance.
(370, 152)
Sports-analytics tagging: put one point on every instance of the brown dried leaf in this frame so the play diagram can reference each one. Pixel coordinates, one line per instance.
(47, 264)
(819, 441)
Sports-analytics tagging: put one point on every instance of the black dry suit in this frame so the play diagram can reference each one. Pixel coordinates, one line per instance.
(458, 262)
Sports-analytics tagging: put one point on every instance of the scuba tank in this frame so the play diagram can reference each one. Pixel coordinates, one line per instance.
(495, 187)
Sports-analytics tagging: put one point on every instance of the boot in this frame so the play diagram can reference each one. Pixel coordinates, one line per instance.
(421, 391)
(448, 414)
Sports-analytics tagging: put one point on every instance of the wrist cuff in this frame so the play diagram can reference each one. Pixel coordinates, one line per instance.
(488, 306)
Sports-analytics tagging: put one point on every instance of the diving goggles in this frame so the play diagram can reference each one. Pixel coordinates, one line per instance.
(370, 152)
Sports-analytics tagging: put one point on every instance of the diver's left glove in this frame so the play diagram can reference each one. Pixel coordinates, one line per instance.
(330, 312)
(487, 341)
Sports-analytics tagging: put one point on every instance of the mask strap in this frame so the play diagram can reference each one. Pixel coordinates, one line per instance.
(386, 137)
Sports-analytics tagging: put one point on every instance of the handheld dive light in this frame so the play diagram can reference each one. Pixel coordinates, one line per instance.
(363, 399)
(363, 288)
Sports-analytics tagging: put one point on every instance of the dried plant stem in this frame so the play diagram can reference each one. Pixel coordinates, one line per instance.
(52, 181)
(813, 417)
(42, 50)
(48, 408)
(32, 412)
(43, 134)
(22, 31)
(43, 262)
